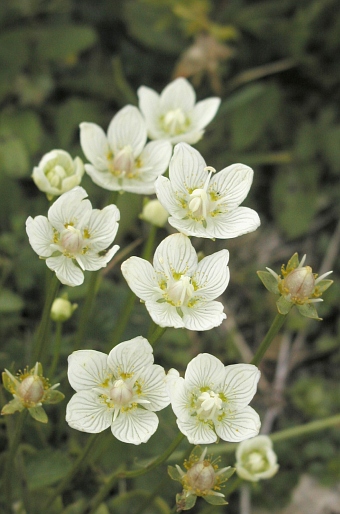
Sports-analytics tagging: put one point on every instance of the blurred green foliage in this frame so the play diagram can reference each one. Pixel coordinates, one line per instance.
(67, 61)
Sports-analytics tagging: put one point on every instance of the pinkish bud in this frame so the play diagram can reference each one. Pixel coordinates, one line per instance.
(31, 390)
(300, 283)
(201, 476)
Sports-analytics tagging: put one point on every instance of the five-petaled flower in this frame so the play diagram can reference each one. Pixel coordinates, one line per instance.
(30, 390)
(256, 459)
(179, 291)
(174, 114)
(202, 204)
(211, 401)
(121, 161)
(120, 390)
(73, 231)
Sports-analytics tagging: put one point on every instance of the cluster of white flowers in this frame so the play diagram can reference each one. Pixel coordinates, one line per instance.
(123, 390)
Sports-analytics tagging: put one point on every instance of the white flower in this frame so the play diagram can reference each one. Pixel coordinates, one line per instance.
(178, 291)
(211, 401)
(121, 161)
(120, 390)
(202, 204)
(57, 173)
(256, 459)
(73, 231)
(174, 115)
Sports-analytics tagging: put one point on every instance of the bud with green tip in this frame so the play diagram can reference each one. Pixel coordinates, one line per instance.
(62, 309)
(202, 478)
(297, 285)
(30, 391)
(154, 213)
(256, 459)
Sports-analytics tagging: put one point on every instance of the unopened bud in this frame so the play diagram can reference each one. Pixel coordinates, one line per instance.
(154, 213)
(62, 309)
(31, 390)
(300, 283)
(201, 477)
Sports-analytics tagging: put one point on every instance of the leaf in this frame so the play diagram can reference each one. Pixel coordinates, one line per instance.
(45, 468)
(269, 281)
(26, 126)
(10, 302)
(283, 305)
(14, 159)
(63, 41)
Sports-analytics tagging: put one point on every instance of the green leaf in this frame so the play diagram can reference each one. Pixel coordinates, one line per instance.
(45, 468)
(14, 158)
(215, 500)
(53, 396)
(38, 414)
(174, 473)
(269, 281)
(283, 305)
(308, 310)
(10, 302)
(59, 42)
(24, 125)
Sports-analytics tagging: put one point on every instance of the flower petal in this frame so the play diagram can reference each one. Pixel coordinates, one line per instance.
(87, 369)
(212, 275)
(102, 227)
(70, 208)
(92, 261)
(164, 314)
(155, 159)
(149, 102)
(197, 431)
(239, 425)
(240, 384)
(135, 426)
(103, 179)
(233, 184)
(127, 128)
(186, 169)
(167, 197)
(236, 223)
(130, 356)
(175, 255)
(95, 145)
(141, 278)
(152, 386)
(179, 94)
(85, 412)
(205, 370)
(204, 112)
(180, 397)
(67, 272)
(204, 316)
(40, 235)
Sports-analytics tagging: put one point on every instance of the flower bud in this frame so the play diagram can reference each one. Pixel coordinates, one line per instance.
(201, 477)
(300, 283)
(154, 213)
(62, 309)
(31, 390)
(57, 173)
(256, 459)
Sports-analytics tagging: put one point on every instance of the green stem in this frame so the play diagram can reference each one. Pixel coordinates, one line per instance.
(105, 489)
(57, 347)
(81, 460)
(52, 288)
(274, 329)
(148, 247)
(91, 294)
(9, 469)
(156, 334)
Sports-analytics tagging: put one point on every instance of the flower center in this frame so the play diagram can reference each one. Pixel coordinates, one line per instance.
(209, 404)
(123, 163)
(174, 122)
(71, 240)
(255, 462)
(56, 175)
(199, 202)
(121, 393)
(181, 291)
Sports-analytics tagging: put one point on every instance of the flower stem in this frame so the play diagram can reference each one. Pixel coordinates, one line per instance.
(156, 334)
(91, 294)
(81, 460)
(52, 288)
(273, 330)
(149, 244)
(105, 489)
(9, 470)
(57, 347)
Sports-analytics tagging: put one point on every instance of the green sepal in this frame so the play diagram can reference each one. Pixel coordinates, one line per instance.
(8, 383)
(269, 281)
(214, 500)
(226, 474)
(53, 396)
(184, 502)
(40, 369)
(283, 305)
(161, 300)
(174, 473)
(323, 285)
(12, 406)
(179, 311)
(293, 262)
(308, 310)
(196, 453)
(38, 414)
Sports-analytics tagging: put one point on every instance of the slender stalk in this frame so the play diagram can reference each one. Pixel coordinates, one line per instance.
(57, 347)
(156, 334)
(273, 330)
(51, 291)
(105, 489)
(9, 468)
(149, 244)
(91, 294)
(81, 460)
